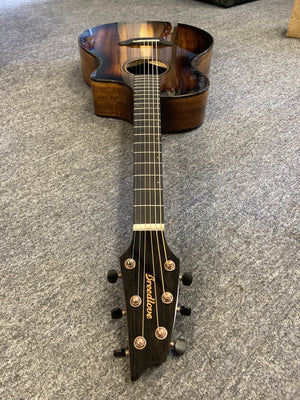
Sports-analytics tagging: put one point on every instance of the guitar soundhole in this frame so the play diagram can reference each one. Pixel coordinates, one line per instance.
(146, 67)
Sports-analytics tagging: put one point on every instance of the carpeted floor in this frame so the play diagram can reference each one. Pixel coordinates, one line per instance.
(231, 203)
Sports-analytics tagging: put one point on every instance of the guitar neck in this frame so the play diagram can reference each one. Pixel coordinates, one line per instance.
(148, 184)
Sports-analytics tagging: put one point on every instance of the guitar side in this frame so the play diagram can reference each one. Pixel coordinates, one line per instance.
(184, 87)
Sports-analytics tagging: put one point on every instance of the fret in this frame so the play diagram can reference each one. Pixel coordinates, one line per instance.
(146, 94)
(148, 130)
(148, 121)
(150, 214)
(146, 82)
(149, 197)
(148, 205)
(148, 115)
(146, 189)
(142, 141)
(147, 157)
(137, 106)
(148, 175)
(146, 163)
(150, 169)
(141, 138)
(140, 128)
(140, 182)
(145, 114)
(147, 147)
(146, 134)
(146, 103)
(145, 90)
(154, 139)
(148, 126)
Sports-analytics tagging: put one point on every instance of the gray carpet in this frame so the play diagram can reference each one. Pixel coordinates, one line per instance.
(231, 203)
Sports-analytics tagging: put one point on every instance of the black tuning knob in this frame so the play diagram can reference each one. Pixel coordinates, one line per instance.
(112, 275)
(120, 353)
(179, 347)
(185, 310)
(117, 313)
(187, 278)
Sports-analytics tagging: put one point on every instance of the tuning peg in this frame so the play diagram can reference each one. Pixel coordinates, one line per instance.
(113, 275)
(187, 278)
(117, 313)
(184, 310)
(121, 353)
(178, 347)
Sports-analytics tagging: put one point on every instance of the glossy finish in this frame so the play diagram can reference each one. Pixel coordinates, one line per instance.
(150, 251)
(184, 86)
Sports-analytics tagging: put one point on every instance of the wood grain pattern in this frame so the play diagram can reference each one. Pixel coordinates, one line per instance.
(183, 88)
(156, 351)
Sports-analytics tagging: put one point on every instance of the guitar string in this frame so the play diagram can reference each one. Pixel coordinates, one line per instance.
(158, 179)
(135, 216)
(144, 283)
(159, 139)
(154, 78)
(140, 213)
(154, 278)
(153, 121)
(145, 195)
(151, 130)
(145, 180)
(139, 250)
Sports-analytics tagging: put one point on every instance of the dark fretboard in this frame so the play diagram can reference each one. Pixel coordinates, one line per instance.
(147, 184)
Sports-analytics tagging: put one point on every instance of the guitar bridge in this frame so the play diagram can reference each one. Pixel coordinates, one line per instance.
(136, 42)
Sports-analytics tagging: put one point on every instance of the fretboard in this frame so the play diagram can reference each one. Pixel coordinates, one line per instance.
(147, 183)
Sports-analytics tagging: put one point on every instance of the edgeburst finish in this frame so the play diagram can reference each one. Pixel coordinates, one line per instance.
(184, 86)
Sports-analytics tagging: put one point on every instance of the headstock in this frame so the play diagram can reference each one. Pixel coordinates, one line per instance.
(150, 275)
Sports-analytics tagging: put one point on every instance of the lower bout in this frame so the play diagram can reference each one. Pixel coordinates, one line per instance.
(178, 113)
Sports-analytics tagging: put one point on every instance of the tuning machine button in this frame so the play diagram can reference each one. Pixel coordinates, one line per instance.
(178, 347)
(117, 313)
(113, 275)
(184, 310)
(121, 353)
(187, 278)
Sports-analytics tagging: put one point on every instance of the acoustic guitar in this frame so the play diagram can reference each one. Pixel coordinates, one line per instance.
(154, 75)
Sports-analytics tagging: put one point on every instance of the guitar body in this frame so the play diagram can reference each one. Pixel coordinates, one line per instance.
(183, 85)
